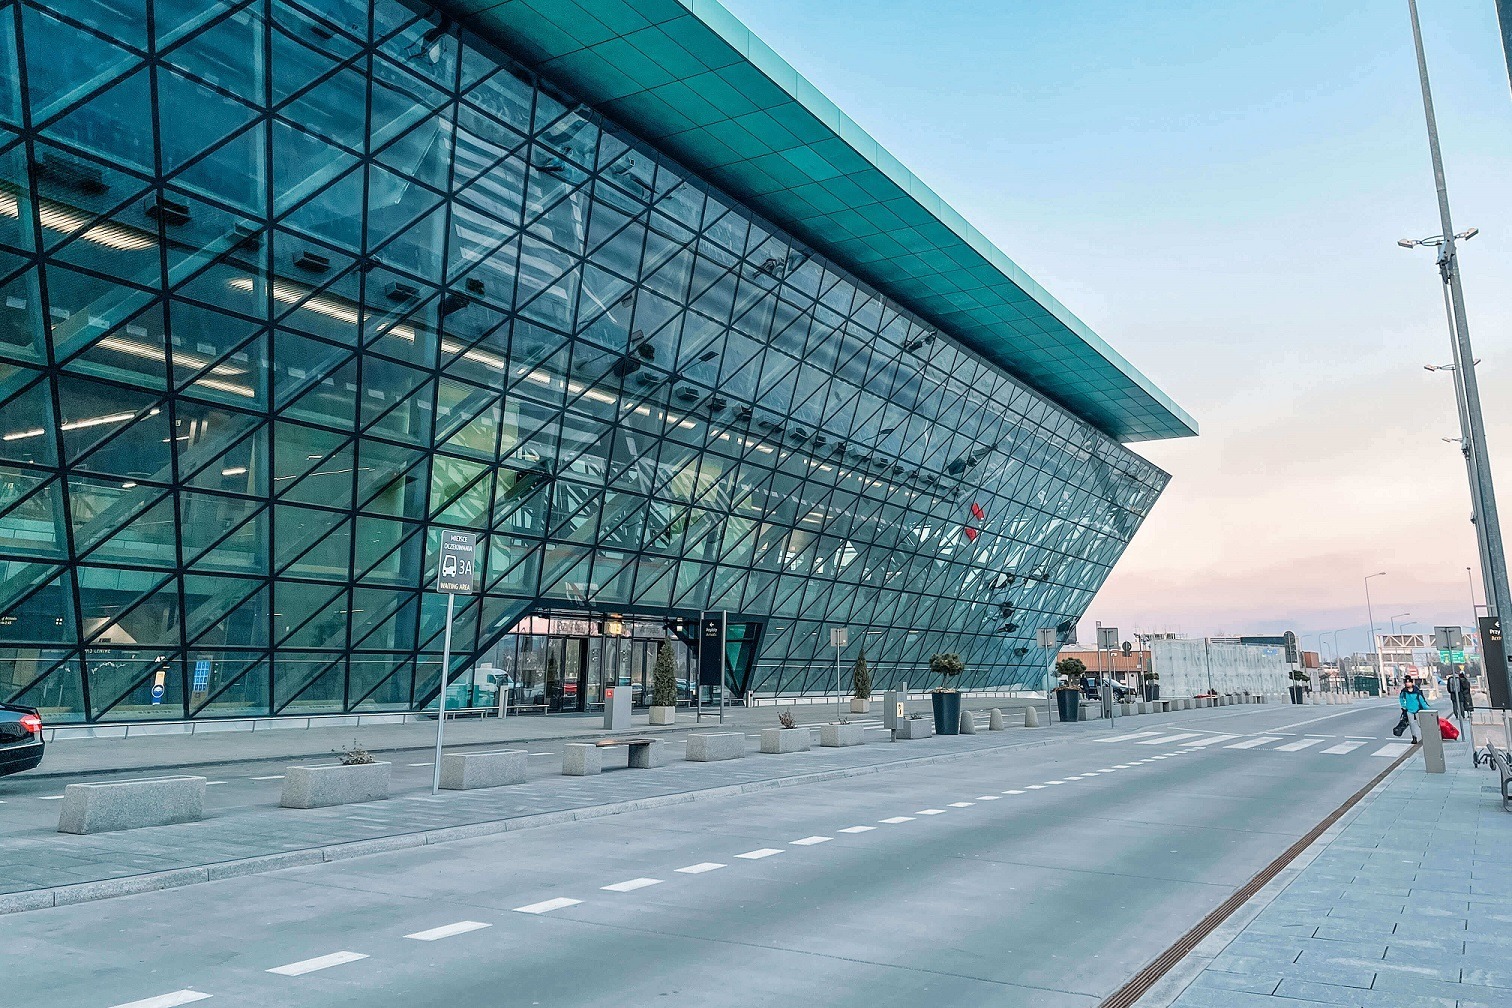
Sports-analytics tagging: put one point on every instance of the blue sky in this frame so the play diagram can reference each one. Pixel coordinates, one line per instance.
(1217, 189)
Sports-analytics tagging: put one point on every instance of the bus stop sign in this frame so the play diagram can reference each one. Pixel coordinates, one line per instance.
(459, 573)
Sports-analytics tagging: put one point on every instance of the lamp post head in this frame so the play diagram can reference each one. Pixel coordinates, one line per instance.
(1468, 234)
(1408, 243)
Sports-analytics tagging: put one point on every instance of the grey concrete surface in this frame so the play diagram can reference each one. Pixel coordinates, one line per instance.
(131, 804)
(1010, 876)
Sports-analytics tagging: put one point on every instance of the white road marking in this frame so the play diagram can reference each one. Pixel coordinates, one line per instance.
(1031, 787)
(807, 841)
(930, 811)
(447, 930)
(1168, 739)
(546, 906)
(182, 997)
(1005, 792)
(1125, 738)
(954, 804)
(280, 776)
(1296, 746)
(1077, 777)
(758, 854)
(1121, 766)
(438, 677)
(895, 819)
(211, 783)
(58, 797)
(850, 829)
(1252, 743)
(318, 963)
(700, 868)
(1055, 782)
(530, 754)
(1089, 773)
(980, 797)
(1392, 749)
(1159, 757)
(1340, 749)
(631, 885)
(1210, 740)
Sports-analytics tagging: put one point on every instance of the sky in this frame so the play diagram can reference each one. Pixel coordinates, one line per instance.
(1217, 189)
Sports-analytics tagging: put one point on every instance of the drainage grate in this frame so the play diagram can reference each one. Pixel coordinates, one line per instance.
(1146, 978)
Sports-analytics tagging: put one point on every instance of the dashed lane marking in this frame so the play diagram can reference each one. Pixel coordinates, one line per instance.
(546, 906)
(318, 963)
(858, 829)
(278, 776)
(897, 819)
(1016, 791)
(986, 797)
(758, 854)
(172, 1000)
(700, 868)
(930, 811)
(1252, 743)
(1035, 787)
(810, 841)
(631, 885)
(961, 804)
(50, 797)
(447, 930)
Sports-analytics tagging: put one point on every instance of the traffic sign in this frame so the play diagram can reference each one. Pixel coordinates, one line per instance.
(458, 574)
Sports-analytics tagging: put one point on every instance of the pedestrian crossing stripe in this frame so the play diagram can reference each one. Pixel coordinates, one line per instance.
(1392, 749)
(1211, 740)
(1298, 745)
(1167, 739)
(1252, 743)
(1342, 748)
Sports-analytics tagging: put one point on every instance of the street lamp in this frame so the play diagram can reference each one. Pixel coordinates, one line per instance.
(1482, 492)
(1375, 645)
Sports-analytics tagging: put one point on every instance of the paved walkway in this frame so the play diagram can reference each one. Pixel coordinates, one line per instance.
(1407, 903)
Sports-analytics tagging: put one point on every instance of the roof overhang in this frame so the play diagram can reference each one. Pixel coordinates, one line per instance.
(691, 79)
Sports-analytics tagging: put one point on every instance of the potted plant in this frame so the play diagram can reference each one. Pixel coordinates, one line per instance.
(1152, 685)
(664, 687)
(945, 698)
(1068, 694)
(860, 685)
(1299, 681)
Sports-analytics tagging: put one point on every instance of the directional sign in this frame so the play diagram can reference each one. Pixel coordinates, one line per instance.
(459, 573)
(839, 636)
(711, 651)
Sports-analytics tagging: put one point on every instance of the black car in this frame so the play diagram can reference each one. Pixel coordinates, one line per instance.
(1093, 689)
(20, 738)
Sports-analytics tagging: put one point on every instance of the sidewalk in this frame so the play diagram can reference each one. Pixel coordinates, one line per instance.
(67, 757)
(1407, 903)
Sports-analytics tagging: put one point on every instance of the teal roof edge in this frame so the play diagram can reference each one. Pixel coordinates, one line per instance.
(693, 80)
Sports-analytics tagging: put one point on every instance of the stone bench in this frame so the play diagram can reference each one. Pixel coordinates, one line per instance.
(785, 740)
(131, 804)
(709, 747)
(307, 787)
(466, 771)
(644, 753)
(838, 736)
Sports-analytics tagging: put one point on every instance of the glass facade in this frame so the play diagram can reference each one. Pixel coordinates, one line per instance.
(288, 287)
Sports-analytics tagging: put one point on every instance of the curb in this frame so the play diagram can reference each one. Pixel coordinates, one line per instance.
(176, 878)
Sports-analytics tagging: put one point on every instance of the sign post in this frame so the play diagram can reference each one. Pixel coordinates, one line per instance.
(1048, 640)
(457, 575)
(839, 637)
(711, 656)
(1107, 638)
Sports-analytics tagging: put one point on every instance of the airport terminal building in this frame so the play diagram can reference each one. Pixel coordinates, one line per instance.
(289, 287)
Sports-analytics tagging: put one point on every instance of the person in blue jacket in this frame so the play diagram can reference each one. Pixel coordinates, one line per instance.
(1412, 701)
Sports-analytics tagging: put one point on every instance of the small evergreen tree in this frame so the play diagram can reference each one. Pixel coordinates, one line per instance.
(1073, 669)
(947, 666)
(664, 678)
(861, 678)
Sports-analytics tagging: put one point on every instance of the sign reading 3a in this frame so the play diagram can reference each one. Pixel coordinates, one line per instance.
(458, 574)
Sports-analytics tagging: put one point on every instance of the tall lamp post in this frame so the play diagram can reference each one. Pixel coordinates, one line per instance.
(1483, 493)
(1375, 644)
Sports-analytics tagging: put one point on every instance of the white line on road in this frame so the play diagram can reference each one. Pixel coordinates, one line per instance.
(696, 869)
(58, 797)
(531, 754)
(1055, 782)
(1120, 766)
(182, 997)
(848, 829)
(807, 841)
(1035, 787)
(1168, 739)
(631, 885)
(1392, 749)
(1252, 743)
(980, 797)
(930, 811)
(1005, 792)
(1296, 746)
(1125, 738)
(279, 776)
(893, 821)
(1338, 750)
(1210, 740)
(447, 930)
(210, 783)
(1077, 777)
(758, 854)
(438, 677)
(546, 906)
(954, 804)
(318, 963)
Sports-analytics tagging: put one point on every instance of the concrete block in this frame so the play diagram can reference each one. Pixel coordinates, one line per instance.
(581, 759)
(839, 736)
(995, 720)
(968, 723)
(131, 804)
(466, 771)
(322, 786)
(648, 756)
(860, 706)
(915, 728)
(663, 715)
(784, 740)
(1031, 717)
(709, 747)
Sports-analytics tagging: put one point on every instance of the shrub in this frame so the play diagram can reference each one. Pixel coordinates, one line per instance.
(664, 678)
(947, 666)
(356, 755)
(1073, 669)
(861, 678)
(785, 718)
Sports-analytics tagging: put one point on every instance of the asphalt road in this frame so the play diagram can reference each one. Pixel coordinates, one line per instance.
(1042, 877)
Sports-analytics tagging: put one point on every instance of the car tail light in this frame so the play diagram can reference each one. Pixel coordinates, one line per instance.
(31, 723)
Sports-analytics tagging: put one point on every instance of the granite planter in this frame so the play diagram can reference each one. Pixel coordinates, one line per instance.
(860, 706)
(322, 786)
(914, 728)
(784, 740)
(663, 715)
(838, 736)
(131, 804)
(466, 771)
